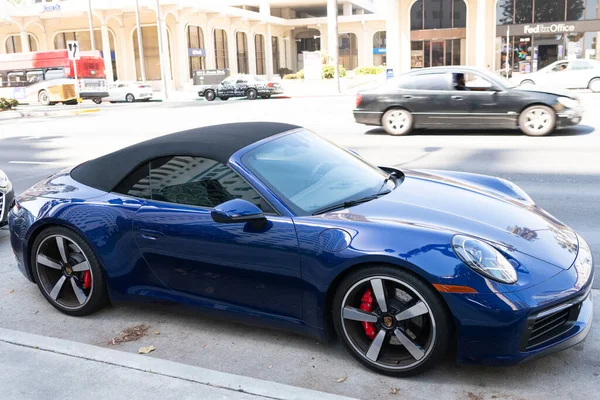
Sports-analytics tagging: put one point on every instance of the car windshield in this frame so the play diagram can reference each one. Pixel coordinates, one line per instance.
(311, 174)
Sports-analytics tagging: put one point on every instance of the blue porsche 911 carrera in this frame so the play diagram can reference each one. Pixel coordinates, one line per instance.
(270, 224)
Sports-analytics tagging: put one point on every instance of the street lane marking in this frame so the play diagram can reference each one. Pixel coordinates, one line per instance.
(37, 162)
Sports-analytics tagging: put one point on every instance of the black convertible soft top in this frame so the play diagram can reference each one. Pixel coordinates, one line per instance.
(216, 142)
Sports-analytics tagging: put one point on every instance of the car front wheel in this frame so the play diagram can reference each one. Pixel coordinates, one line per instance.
(397, 121)
(251, 94)
(129, 98)
(594, 85)
(67, 272)
(391, 321)
(537, 120)
(44, 98)
(209, 95)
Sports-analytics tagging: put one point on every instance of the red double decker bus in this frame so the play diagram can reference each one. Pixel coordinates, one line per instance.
(48, 77)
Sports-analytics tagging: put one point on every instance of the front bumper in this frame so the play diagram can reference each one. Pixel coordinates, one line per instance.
(6, 201)
(569, 117)
(501, 329)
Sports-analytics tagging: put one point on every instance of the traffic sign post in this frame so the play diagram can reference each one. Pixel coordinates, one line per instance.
(73, 50)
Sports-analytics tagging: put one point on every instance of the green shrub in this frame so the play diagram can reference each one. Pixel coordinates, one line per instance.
(328, 71)
(370, 70)
(290, 76)
(7, 104)
(300, 74)
(285, 71)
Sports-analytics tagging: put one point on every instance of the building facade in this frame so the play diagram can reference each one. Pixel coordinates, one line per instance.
(268, 37)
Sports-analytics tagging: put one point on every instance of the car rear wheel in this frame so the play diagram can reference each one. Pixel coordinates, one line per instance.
(67, 272)
(129, 98)
(594, 85)
(209, 95)
(391, 321)
(527, 82)
(224, 98)
(537, 120)
(266, 97)
(44, 98)
(397, 121)
(251, 94)
(98, 101)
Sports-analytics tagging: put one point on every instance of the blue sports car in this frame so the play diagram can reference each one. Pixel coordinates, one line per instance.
(270, 224)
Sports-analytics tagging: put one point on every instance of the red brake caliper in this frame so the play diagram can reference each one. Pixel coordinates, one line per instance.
(366, 304)
(87, 280)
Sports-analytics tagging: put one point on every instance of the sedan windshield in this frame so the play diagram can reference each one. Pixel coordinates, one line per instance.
(312, 175)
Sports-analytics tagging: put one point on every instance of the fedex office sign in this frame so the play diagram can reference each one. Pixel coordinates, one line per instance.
(552, 28)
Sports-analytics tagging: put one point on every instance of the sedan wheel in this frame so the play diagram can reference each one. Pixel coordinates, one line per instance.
(391, 321)
(67, 272)
(537, 120)
(595, 85)
(129, 98)
(397, 121)
(209, 95)
(251, 94)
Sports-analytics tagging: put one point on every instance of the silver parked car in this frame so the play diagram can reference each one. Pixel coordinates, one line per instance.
(566, 74)
(129, 92)
(6, 197)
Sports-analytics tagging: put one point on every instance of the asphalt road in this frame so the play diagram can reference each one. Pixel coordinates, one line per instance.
(560, 172)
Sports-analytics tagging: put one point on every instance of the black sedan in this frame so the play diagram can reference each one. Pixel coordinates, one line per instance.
(6, 197)
(464, 98)
(249, 86)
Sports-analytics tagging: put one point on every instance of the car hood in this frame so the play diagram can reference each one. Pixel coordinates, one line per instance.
(546, 90)
(434, 200)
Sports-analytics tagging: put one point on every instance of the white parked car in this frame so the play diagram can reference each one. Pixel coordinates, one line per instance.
(566, 74)
(129, 92)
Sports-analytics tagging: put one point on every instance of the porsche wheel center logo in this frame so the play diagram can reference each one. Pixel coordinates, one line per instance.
(388, 321)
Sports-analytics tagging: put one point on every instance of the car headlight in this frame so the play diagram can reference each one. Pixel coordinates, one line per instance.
(484, 259)
(568, 102)
(3, 180)
(583, 263)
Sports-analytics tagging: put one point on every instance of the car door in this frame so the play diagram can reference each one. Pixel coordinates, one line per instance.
(426, 96)
(227, 87)
(241, 85)
(226, 264)
(581, 73)
(484, 104)
(557, 75)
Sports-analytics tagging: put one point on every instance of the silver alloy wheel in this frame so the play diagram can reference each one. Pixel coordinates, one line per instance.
(129, 98)
(595, 85)
(406, 329)
(397, 121)
(61, 265)
(538, 120)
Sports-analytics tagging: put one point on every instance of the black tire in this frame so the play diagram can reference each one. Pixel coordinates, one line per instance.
(224, 98)
(112, 102)
(70, 103)
(266, 97)
(594, 85)
(209, 95)
(97, 296)
(251, 94)
(44, 98)
(397, 121)
(527, 82)
(97, 100)
(546, 117)
(438, 330)
(129, 98)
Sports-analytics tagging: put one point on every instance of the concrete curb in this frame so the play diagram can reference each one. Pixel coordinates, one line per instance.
(61, 113)
(165, 368)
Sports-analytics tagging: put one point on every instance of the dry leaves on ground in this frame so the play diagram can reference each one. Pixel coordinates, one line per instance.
(146, 350)
(395, 391)
(342, 379)
(130, 334)
(10, 291)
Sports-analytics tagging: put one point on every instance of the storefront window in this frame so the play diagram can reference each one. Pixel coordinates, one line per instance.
(438, 14)
(242, 52)
(549, 10)
(275, 48)
(13, 44)
(195, 41)
(416, 16)
(379, 48)
(221, 56)
(576, 9)
(547, 49)
(575, 46)
(151, 53)
(456, 52)
(259, 42)
(416, 54)
(459, 17)
(504, 12)
(348, 50)
(523, 11)
(521, 56)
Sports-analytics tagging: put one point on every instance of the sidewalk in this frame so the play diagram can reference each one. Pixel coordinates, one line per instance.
(39, 367)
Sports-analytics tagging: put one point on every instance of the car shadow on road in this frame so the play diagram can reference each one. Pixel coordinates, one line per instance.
(579, 130)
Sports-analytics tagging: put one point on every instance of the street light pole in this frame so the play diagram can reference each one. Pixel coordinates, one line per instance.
(91, 22)
(160, 50)
(140, 42)
(332, 24)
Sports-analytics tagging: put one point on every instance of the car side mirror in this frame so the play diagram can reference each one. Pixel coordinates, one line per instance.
(237, 211)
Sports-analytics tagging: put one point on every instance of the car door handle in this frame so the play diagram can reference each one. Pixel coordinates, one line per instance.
(150, 234)
(457, 97)
(408, 96)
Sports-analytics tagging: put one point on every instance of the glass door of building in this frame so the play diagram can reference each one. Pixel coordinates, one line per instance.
(435, 53)
(438, 53)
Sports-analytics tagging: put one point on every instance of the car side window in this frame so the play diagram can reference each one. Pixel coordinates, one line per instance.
(581, 64)
(471, 82)
(425, 82)
(198, 181)
(560, 67)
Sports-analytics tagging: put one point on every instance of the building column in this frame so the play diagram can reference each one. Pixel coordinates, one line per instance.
(347, 9)
(232, 51)
(166, 54)
(181, 57)
(366, 53)
(282, 52)
(209, 45)
(106, 54)
(44, 42)
(25, 42)
(480, 38)
(332, 35)
(251, 52)
(269, 52)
